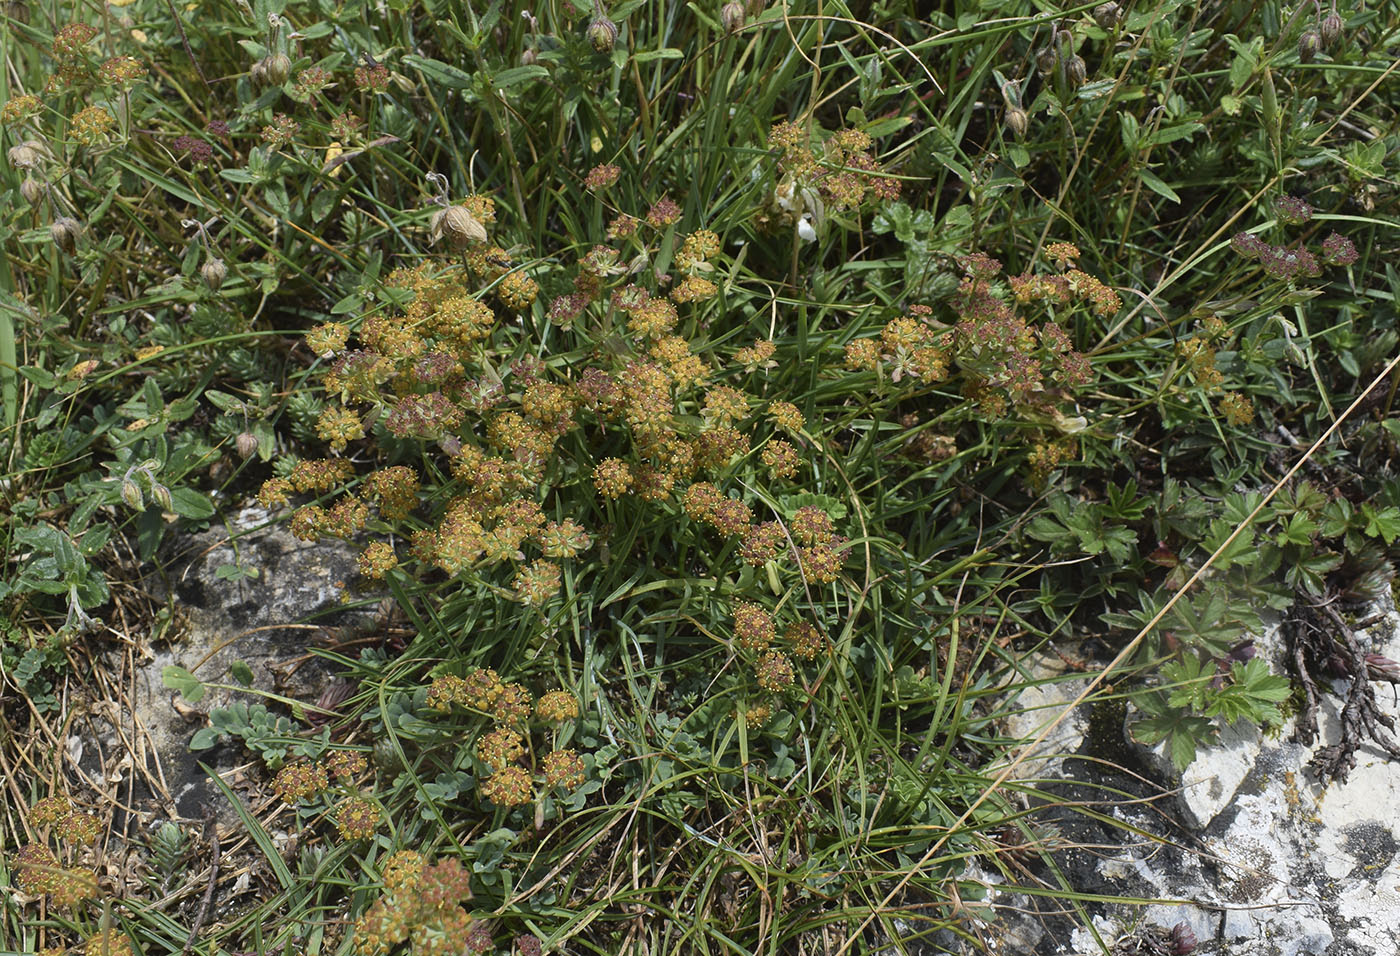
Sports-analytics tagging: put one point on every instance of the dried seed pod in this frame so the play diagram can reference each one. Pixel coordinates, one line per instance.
(602, 34)
(528, 57)
(24, 156)
(1017, 121)
(277, 68)
(64, 232)
(162, 497)
(731, 16)
(1045, 60)
(246, 444)
(131, 494)
(31, 190)
(1308, 45)
(1076, 72)
(1108, 15)
(1330, 29)
(213, 273)
(457, 225)
(258, 73)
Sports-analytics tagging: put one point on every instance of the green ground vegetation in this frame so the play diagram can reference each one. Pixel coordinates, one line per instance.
(729, 396)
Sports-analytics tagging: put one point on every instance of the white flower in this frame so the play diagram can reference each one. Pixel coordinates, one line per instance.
(805, 230)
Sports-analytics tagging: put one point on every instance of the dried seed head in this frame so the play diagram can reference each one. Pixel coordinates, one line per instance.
(131, 494)
(1308, 45)
(26, 155)
(1108, 15)
(246, 443)
(1075, 71)
(1045, 60)
(731, 16)
(602, 34)
(214, 273)
(258, 73)
(64, 232)
(457, 225)
(1330, 29)
(162, 497)
(277, 68)
(1017, 122)
(528, 57)
(31, 190)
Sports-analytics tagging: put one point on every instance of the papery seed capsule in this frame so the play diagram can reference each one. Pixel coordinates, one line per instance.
(246, 444)
(23, 156)
(64, 232)
(1076, 72)
(258, 73)
(1107, 15)
(1308, 45)
(277, 67)
(31, 190)
(731, 16)
(1330, 29)
(1017, 122)
(1045, 60)
(458, 226)
(528, 57)
(131, 494)
(161, 494)
(602, 34)
(214, 273)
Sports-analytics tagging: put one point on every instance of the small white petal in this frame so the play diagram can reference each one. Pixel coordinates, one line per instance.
(805, 230)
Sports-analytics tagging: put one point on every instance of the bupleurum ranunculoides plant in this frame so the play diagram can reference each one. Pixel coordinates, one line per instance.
(520, 759)
(422, 905)
(1010, 351)
(657, 421)
(334, 776)
(39, 871)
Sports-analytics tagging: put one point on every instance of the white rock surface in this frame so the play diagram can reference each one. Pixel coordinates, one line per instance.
(1246, 848)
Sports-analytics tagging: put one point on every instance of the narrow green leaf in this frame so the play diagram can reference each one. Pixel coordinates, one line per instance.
(1153, 182)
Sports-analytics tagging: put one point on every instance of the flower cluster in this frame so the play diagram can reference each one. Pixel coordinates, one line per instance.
(815, 176)
(301, 780)
(20, 108)
(90, 125)
(422, 904)
(505, 749)
(1289, 262)
(38, 872)
(907, 346)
